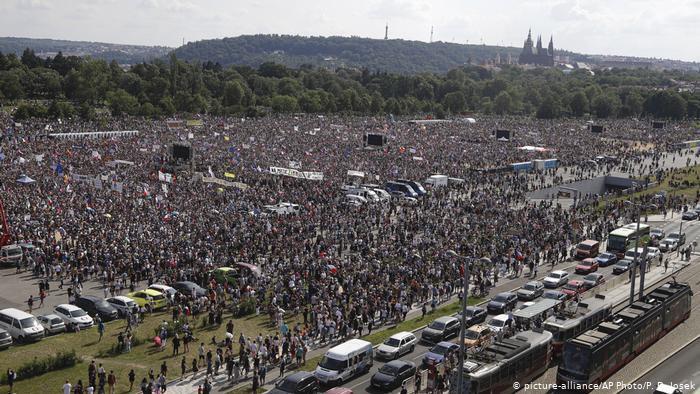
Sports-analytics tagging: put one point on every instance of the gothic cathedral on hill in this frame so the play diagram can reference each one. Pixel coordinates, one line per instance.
(537, 55)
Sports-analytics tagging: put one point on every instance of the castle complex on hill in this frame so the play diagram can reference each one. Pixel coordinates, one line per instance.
(537, 55)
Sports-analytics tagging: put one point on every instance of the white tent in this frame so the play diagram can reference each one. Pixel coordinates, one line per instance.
(25, 180)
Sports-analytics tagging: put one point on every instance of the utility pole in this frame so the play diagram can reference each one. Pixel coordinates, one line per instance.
(431, 34)
(386, 31)
(463, 320)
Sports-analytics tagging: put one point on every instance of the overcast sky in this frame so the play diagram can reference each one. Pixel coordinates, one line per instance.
(650, 28)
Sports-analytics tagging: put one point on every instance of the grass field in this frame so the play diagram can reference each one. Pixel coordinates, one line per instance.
(141, 359)
(681, 182)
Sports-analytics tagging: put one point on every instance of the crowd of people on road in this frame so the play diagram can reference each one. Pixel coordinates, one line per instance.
(98, 209)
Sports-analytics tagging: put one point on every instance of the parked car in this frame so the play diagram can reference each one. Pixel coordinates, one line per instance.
(97, 306)
(396, 345)
(5, 339)
(440, 329)
(498, 323)
(668, 245)
(52, 324)
(679, 237)
(149, 298)
(474, 314)
(690, 215)
(592, 280)
(73, 316)
(122, 304)
(502, 302)
(298, 383)
(392, 374)
(657, 234)
(530, 290)
(606, 259)
(622, 266)
(437, 353)
(166, 290)
(556, 279)
(573, 288)
(478, 335)
(587, 266)
(188, 288)
(555, 295)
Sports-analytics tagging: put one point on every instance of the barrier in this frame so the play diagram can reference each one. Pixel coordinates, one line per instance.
(95, 134)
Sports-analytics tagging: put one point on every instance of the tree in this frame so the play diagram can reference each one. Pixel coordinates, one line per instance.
(10, 85)
(666, 104)
(121, 102)
(503, 103)
(579, 103)
(233, 93)
(454, 102)
(284, 104)
(550, 108)
(605, 105)
(60, 109)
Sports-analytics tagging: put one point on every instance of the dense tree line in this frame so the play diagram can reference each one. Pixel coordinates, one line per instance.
(72, 86)
(392, 55)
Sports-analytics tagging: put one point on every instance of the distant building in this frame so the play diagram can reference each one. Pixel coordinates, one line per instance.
(537, 55)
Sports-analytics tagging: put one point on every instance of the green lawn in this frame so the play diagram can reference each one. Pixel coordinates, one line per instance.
(141, 358)
(691, 175)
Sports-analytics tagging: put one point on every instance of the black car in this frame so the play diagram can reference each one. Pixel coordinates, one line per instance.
(392, 374)
(502, 303)
(690, 215)
(186, 287)
(298, 383)
(440, 329)
(592, 280)
(96, 305)
(622, 266)
(475, 315)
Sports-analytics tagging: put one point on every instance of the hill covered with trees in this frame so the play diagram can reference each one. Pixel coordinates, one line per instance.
(396, 56)
(123, 54)
(65, 86)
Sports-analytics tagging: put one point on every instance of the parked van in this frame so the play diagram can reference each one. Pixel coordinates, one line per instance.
(437, 180)
(588, 248)
(21, 325)
(401, 188)
(10, 255)
(368, 194)
(417, 187)
(381, 193)
(341, 363)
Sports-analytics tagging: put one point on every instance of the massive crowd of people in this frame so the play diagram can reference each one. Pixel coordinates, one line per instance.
(339, 265)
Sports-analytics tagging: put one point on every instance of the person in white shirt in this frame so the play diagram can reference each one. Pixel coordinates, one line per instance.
(67, 387)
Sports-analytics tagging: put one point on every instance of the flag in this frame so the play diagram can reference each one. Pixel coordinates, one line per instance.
(230, 175)
(226, 138)
(59, 169)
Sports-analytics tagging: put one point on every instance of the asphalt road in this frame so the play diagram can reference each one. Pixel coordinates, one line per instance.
(361, 384)
(682, 370)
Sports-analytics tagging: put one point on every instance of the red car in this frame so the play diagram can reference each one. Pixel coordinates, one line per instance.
(587, 266)
(573, 287)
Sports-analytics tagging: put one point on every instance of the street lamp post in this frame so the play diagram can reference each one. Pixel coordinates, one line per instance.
(463, 320)
(633, 269)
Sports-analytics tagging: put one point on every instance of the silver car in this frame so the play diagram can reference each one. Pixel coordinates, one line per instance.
(530, 290)
(52, 324)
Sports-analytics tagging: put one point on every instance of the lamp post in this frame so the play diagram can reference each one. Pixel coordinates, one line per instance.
(633, 269)
(463, 320)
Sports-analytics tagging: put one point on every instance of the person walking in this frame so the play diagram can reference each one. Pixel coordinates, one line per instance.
(666, 265)
(111, 381)
(282, 365)
(183, 367)
(30, 302)
(11, 377)
(100, 329)
(67, 387)
(132, 378)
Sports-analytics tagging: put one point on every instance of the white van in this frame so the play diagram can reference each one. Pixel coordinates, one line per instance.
(631, 254)
(341, 363)
(383, 195)
(10, 255)
(368, 194)
(21, 325)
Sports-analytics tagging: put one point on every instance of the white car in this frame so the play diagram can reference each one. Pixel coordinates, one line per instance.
(499, 322)
(653, 254)
(555, 279)
(122, 304)
(52, 324)
(355, 199)
(668, 244)
(165, 289)
(397, 345)
(72, 316)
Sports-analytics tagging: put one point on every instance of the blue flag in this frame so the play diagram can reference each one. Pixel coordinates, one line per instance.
(59, 169)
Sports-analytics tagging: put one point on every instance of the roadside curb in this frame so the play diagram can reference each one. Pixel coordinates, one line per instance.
(651, 368)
